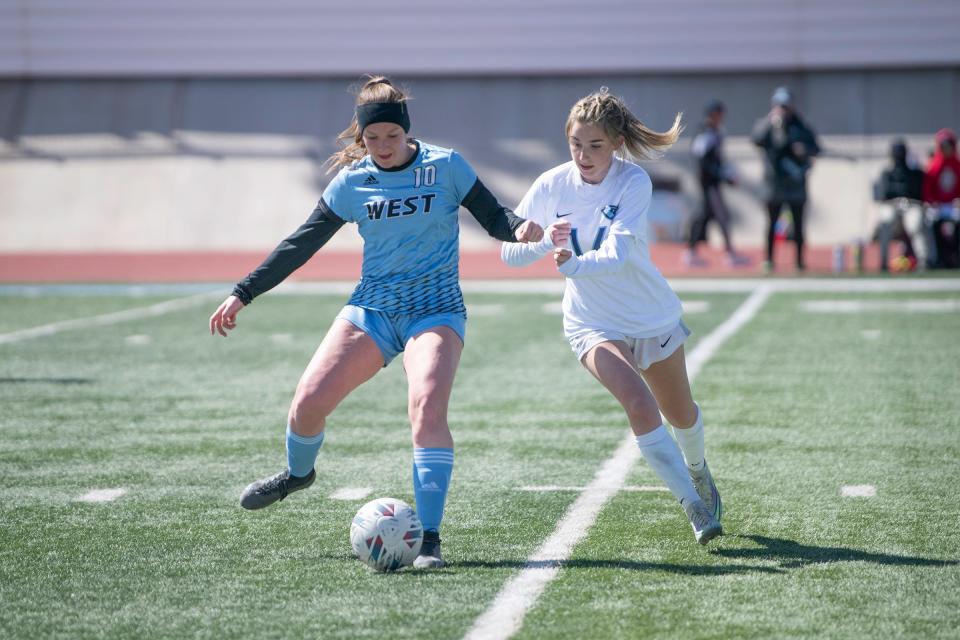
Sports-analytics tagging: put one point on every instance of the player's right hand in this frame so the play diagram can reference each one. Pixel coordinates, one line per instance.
(559, 233)
(529, 231)
(225, 317)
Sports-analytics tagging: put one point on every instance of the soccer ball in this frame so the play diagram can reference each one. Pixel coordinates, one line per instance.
(386, 534)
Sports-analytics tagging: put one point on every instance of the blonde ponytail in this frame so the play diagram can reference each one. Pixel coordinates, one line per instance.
(611, 114)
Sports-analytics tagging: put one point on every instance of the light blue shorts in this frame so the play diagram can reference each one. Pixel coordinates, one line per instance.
(391, 331)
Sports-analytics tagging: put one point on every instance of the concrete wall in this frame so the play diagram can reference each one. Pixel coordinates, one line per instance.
(44, 38)
(190, 163)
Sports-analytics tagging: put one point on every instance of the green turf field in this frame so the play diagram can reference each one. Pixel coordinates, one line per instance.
(799, 403)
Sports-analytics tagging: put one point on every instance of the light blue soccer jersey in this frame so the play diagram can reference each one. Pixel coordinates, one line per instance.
(408, 218)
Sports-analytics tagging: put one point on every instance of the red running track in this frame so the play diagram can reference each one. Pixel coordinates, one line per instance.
(208, 266)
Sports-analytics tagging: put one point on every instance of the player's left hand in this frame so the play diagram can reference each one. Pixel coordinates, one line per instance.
(561, 255)
(529, 231)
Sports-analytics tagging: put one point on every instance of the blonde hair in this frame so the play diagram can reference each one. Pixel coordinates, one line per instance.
(350, 140)
(611, 114)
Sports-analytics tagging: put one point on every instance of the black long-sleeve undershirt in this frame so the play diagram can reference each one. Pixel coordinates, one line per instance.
(499, 221)
(294, 251)
(291, 254)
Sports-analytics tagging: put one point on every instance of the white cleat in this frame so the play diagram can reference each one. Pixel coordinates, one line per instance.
(705, 526)
(707, 490)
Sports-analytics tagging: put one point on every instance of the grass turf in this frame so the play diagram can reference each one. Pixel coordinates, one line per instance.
(797, 405)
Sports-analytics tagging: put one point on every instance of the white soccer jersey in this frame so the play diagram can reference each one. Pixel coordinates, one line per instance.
(612, 283)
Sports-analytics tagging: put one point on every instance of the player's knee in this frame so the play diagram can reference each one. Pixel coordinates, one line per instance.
(308, 413)
(426, 412)
(681, 417)
(641, 411)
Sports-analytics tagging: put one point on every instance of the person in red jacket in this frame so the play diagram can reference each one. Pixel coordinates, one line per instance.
(941, 187)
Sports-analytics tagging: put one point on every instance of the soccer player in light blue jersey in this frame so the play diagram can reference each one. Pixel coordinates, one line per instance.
(404, 196)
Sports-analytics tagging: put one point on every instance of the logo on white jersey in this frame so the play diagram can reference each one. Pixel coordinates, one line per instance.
(610, 211)
(597, 240)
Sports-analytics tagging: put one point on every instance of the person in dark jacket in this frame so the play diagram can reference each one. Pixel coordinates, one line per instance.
(900, 185)
(789, 146)
(713, 171)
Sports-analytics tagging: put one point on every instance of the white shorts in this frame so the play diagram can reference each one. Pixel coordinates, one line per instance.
(646, 351)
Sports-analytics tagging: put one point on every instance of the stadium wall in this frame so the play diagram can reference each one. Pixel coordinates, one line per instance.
(203, 124)
(193, 163)
(110, 38)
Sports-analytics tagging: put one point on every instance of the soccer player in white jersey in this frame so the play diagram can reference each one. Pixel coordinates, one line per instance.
(620, 316)
(404, 195)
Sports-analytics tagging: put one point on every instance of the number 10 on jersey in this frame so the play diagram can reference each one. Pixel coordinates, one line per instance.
(424, 176)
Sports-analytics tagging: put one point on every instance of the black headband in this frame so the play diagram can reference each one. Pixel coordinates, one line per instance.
(395, 112)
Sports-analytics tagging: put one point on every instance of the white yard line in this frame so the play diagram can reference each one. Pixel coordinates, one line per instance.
(858, 491)
(695, 306)
(505, 616)
(712, 341)
(138, 313)
(556, 487)
(101, 495)
(351, 493)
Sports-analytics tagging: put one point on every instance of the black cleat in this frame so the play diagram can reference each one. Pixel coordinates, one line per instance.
(263, 493)
(430, 557)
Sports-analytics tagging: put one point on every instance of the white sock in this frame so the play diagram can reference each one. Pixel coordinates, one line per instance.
(662, 453)
(691, 442)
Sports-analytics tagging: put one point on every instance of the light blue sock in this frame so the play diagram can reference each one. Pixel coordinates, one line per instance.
(432, 468)
(302, 452)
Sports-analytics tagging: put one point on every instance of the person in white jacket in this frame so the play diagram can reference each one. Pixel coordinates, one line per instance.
(620, 315)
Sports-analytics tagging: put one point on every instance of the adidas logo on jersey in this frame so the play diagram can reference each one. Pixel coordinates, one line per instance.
(371, 180)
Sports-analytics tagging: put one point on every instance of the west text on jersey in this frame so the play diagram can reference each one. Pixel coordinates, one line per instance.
(397, 207)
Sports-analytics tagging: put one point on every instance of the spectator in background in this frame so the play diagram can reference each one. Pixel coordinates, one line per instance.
(707, 148)
(901, 187)
(789, 146)
(941, 187)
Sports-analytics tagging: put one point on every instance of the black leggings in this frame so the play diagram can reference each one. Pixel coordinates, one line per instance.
(947, 238)
(796, 208)
(713, 209)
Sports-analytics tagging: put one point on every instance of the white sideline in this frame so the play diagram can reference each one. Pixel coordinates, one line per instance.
(505, 616)
(913, 305)
(516, 287)
(126, 315)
